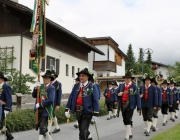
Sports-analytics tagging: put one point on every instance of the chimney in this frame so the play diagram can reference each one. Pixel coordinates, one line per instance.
(15, 1)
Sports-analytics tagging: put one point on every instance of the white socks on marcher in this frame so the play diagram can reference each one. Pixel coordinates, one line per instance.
(165, 118)
(148, 126)
(48, 136)
(56, 123)
(41, 137)
(128, 127)
(173, 114)
(145, 124)
(154, 122)
(177, 111)
(115, 112)
(49, 125)
(110, 114)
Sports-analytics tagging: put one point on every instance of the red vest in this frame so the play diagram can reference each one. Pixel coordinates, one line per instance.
(125, 95)
(164, 96)
(146, 93)
(109, 94)
(79, 100)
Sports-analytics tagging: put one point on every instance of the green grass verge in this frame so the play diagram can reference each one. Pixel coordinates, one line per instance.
(171, 134)
(22, 120)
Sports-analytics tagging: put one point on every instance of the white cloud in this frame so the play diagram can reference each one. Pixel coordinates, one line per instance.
(143, 23)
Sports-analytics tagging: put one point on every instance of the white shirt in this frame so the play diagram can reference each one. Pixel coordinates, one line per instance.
(165, 88)
(171, 88)
(110, 88)
(53, 82)
(47, 85)
(148, 85)
(128, 84)
(81, 84)
(2, 84)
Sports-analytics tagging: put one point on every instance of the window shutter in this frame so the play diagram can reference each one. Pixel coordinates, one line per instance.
(57, 66)
(43, 65)
(48, 62)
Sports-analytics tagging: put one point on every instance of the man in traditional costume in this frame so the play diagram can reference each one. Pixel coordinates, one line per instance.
(84, 101)
(129, 99)
(177, 105)
(175, 99)
(115, 104)
(159, 99)
(148, 102)
(57, 101)
(45, 104)
(166, 101)
(110, 98)
(6, 103)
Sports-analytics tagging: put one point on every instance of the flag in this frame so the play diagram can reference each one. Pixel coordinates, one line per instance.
(38, 28)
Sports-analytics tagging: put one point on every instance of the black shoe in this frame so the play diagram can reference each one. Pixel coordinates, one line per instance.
(153, 128)
(170, 118)
(92, 122)
(125, 139)
(114, 116)
(108, 118)
(176, 117)
(76, 126)
(164, 124)
(173, 120)
(111, 117)
(147, 133)
(9, 135)
(56, 130)
(130, 136)
(90, 139)
(166, 121)
(49, 133)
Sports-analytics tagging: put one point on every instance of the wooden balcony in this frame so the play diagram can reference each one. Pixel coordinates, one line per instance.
(104, 66)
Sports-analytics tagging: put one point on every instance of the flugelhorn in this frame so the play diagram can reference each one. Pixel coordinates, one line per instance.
(8, 75)
(158, 79)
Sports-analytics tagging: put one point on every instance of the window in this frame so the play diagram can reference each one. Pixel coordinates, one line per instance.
(78, 69)
(67, 70)
(51, 63)
(72, 71)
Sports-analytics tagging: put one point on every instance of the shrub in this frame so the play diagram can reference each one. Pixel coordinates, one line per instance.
(22, 120)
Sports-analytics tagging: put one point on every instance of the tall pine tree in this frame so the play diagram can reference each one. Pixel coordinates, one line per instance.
(149, 58)
(140, 59)
(130, 64)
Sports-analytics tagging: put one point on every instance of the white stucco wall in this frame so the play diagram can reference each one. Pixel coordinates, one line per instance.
(103, 48)
(90, 60)
(67, 81)
(120, 70)
(111, 54)
(164, 71)
(12, 41)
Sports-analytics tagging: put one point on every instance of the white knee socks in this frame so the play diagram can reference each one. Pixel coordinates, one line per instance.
(56, 123)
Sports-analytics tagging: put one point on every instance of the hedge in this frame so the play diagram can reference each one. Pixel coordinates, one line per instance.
(22, 120)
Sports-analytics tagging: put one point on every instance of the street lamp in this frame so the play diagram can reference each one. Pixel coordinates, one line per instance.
(145, 52)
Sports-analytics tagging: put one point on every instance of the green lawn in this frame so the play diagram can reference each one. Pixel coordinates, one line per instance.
(171, 134)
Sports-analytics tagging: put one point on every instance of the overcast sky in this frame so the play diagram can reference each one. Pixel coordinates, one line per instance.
(145, 24)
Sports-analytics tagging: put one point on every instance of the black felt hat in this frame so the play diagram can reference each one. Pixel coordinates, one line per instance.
(49, 74)
(128, 75)
(2, 76)
(55, 74)
(86, 72)
(172, 81)
(165, 82)
(115, 83)
(147, 77)
(110, 83)
(154, 80)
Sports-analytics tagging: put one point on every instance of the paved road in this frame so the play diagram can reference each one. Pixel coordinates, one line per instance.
(108, 130)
